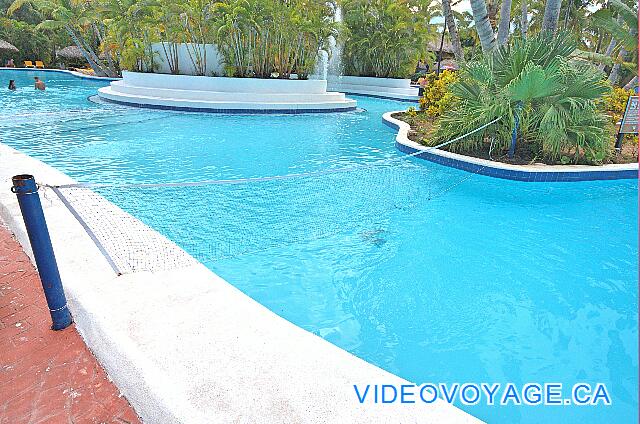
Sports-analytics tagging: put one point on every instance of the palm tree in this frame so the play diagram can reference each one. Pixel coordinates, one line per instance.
(453, 31)
(505, 22)
(72, 17)
(551, 16)
(197, 32)
(384, 38)
(524, 22)
(621, 21)
(483, 26)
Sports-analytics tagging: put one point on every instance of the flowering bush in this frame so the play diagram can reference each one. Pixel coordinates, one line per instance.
(615, 103)
(437, 97)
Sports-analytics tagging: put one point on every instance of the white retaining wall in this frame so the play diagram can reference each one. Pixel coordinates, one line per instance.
(215, 67)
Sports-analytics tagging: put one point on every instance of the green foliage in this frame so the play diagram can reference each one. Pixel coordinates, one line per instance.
(437, 96)
(32, 44)
(383, 38)
(557, 101)
(131, 27)
(261, 38)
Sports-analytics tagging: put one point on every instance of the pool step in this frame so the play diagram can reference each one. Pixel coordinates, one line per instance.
(224, 101)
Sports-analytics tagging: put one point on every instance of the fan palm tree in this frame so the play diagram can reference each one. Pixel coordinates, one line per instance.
(556, 100)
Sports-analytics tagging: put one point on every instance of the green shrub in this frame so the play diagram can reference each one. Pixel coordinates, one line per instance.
(32, 44)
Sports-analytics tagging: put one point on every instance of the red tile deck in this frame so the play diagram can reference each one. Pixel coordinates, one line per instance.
(46, 376)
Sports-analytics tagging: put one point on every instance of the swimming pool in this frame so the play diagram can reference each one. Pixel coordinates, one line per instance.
(489, 281)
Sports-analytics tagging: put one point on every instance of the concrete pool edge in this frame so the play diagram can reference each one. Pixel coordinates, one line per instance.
(526, 173)
(202, 351)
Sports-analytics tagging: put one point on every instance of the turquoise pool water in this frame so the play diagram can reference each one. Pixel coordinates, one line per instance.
(431, 273)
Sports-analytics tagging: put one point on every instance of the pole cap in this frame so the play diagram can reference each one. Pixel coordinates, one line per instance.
(24, 184)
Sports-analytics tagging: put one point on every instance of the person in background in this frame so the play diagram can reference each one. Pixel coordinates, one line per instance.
(39, 85)
(12, 85)
(10, 64)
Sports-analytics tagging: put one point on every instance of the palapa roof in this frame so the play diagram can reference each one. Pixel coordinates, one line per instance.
(70, 52)
(4, 45)
(434, 46)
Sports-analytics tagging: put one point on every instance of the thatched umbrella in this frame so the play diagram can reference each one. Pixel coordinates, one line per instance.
(70, 52)
(7, 46)
(434, 46)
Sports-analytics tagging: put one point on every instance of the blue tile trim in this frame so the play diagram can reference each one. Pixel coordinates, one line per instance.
(228, 111)
(516, 175)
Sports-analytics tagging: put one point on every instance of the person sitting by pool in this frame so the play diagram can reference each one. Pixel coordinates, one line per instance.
(39, 85)
(12, 85)
(10, 64)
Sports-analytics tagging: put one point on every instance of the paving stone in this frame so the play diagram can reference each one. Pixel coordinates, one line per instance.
(46, 376)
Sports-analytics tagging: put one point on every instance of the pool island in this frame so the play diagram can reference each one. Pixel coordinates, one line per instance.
(224, 95)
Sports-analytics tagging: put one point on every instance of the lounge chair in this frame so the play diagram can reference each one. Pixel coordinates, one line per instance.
(28, 64)
(39, 64)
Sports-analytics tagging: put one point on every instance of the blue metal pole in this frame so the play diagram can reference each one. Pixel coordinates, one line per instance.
(25, 188)
(514, 133)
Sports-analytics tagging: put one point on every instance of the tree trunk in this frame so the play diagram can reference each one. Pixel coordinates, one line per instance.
(614, 75)
(524, 24)
(551, 16)
(98, 70)
(483, 26)
(505, 22)
(453, 31)
(95, 57)
(107, 53)
(610, 47)
(632, 83)
(492, 12)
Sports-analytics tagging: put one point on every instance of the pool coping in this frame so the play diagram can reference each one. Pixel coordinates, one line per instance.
(64, 71)
(201, 351)
(525, 173)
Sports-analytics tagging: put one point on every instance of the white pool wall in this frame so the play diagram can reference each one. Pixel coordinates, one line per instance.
(392, 88)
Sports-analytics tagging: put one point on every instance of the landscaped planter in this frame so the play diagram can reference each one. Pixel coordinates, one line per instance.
(393, 88)
(220, 94)
(528, 173)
